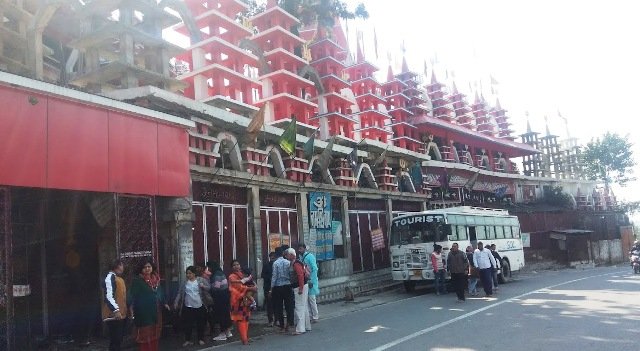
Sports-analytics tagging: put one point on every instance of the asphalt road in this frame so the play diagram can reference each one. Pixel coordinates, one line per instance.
(586, 310)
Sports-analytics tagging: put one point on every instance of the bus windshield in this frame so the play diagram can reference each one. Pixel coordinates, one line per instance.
(419, 229)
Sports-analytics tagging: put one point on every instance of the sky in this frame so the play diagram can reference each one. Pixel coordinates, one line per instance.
(579, 58)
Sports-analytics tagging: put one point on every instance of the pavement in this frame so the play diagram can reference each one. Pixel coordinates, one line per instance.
(368, 307)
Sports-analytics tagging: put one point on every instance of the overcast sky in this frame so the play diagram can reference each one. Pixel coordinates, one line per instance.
(581, 58)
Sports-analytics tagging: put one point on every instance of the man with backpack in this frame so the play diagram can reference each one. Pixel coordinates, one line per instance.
(300, 293)
(311, 265)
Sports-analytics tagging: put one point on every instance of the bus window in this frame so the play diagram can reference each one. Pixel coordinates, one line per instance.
(481, 233)
(462, 232)
(499, 232)
(507, 232)
(491, 232)
(419, 232)
(516, 232)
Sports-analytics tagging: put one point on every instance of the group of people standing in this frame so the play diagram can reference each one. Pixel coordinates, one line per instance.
(466, 268)
(291, 287)
(209, 296)
(142, 303)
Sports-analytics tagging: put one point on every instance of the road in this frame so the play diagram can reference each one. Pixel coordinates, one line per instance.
(587, 310)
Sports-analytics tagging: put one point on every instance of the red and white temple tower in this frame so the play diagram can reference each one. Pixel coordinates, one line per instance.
(461, 107)
(220, 73)
(442, 108)
(484, 123)
(373, 118)
(284, 92)
(335, 104)
(502, 120)
(402, 96)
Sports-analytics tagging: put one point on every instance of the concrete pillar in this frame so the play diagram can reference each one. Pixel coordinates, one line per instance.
(388, 206)
(198, 58)
(346, 229)
(255, 241)
(200, 87)
(303, 217)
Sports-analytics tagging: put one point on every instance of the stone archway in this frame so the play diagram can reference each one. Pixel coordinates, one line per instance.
(316, 167)
(234, 150)
(274, 155)
(405, 181)
(364, 170)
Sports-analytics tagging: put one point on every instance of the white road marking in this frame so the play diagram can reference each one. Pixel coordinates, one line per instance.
(443, 324)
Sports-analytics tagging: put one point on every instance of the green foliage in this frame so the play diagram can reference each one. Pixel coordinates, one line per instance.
(254, 8)
(555, 196)
(322, 12)
(609, 159)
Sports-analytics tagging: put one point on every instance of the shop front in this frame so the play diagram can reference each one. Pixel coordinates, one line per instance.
(369, 237)
(279, 221)
(221, 227)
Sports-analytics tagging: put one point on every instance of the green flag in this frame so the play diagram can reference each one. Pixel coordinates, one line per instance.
(308, 147)
(288, 138)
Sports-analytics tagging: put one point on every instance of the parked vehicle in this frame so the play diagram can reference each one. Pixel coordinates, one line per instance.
(414, 234)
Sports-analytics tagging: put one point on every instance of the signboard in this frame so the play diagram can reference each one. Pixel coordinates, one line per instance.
(377, 239)
(526, 239)
(186, 251)
(276, 240)
(418, 218)
(321, 225)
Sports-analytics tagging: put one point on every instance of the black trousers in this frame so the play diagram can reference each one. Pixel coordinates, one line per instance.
(116, 333)
(283, 296)
(268, 304)
(459, 282)
(487, 282)
(191, 316)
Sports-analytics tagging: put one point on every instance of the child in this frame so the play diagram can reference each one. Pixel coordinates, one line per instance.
(248, 299)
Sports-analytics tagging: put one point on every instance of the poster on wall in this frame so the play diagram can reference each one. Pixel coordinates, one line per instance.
(321, 225)
(377, 239)
(526, 239)
(336, 230)
(276, 240)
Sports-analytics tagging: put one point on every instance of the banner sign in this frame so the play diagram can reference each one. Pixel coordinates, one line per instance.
(321, 225)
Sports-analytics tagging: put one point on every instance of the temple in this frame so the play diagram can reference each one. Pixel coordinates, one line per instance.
(126, 145)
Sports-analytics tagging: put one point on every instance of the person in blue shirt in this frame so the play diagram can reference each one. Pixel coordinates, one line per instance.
(309, 261)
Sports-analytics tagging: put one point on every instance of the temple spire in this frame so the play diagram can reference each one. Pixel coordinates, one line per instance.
(360, 52)
(405, 67)
(390, 74)
(434, 80)
(454, 89)
(476, 100)
(272, 3)
(498, 107)
(526, 113)
(546, 123)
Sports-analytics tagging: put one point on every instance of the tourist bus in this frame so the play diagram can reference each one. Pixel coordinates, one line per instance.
(414, 234)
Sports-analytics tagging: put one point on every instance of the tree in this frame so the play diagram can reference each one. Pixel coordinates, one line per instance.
(323, 13)
(609, 159)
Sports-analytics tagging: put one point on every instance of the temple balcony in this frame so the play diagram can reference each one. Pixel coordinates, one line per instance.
(274, 16)
(215, 46)
(233, 30)
(335, 114)
(229, 7)
(277, 37)
(335, 80)
(279, 55)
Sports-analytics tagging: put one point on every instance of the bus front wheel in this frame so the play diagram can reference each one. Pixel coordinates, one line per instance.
(505, 274)
(409, 286)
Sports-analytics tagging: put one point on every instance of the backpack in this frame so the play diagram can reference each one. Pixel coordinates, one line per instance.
(307, 268)
(294, 276)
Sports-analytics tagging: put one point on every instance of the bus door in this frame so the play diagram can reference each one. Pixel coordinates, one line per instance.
(472, 236)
